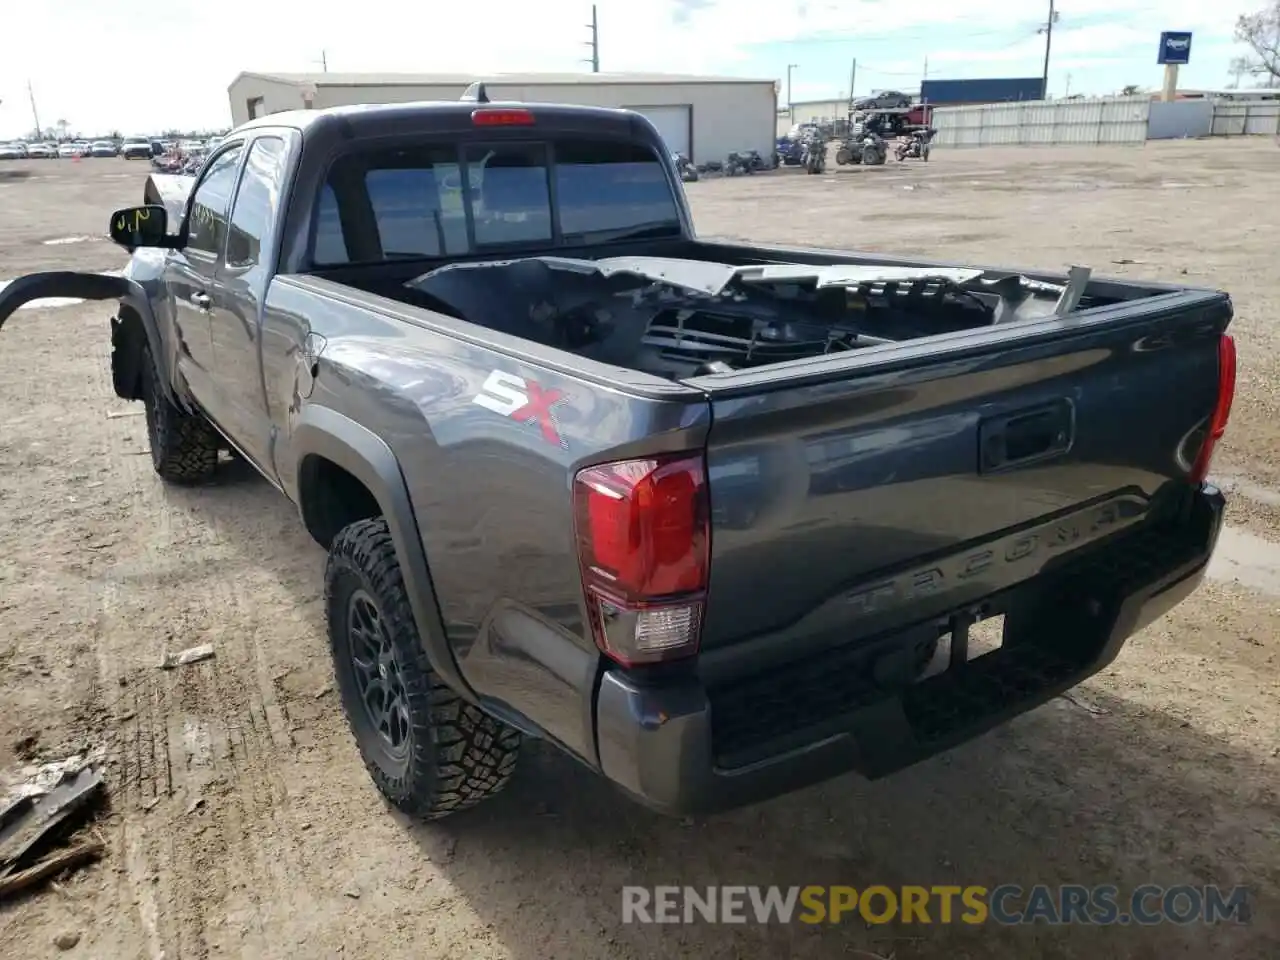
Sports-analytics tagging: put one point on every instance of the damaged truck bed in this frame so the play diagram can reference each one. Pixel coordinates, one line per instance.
(679, 318)
(714, 518)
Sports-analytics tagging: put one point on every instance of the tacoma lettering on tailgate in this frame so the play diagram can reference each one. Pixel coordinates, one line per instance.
(1029, 549)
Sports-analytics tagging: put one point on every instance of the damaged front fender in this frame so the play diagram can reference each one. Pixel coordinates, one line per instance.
(169, 190)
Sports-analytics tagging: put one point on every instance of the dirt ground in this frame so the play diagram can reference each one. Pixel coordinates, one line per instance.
(241, 822)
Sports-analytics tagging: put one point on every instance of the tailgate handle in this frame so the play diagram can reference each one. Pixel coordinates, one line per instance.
(1026, 436)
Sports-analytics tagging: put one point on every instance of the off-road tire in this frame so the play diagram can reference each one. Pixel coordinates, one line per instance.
(184, 446)
(457, 755)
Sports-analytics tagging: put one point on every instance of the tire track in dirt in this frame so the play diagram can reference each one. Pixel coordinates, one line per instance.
(196, 751)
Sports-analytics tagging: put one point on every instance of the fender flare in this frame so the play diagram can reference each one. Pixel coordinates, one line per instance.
(321, 431)
(137, 301)
(85, 286)
(60, 283)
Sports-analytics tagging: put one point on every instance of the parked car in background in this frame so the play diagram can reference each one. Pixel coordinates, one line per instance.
(82, 148)
(884, 100)
(135, 148)
(13, 151)
(103, 148)
(66, 150)
(41, 151)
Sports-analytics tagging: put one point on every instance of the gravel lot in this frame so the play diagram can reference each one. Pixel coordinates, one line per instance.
(1163, 769)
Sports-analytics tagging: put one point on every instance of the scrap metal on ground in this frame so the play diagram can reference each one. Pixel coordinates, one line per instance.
(40, 808)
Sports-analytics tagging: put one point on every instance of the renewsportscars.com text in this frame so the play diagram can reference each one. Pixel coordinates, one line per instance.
(1008, 904)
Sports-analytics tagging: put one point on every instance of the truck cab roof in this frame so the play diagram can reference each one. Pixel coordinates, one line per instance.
(374, 119)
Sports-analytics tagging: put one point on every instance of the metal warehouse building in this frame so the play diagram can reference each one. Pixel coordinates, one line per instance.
(705, 118)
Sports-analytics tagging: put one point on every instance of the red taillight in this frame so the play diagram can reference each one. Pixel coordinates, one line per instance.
(644, 546)
(501, 117)
(1221, 409)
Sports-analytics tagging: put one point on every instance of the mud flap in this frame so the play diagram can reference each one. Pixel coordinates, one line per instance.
(60, 283)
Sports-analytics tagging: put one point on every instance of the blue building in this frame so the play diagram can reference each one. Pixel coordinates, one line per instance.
(945, 93)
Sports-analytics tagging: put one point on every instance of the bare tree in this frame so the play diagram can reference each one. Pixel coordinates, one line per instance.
(1261, 32)
(1131, 90)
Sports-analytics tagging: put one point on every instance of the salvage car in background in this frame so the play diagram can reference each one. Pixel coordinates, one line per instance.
(884, 100)
(137, 148)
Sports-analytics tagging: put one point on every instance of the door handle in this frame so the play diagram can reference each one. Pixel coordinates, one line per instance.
(1026, 436)
(201, 300)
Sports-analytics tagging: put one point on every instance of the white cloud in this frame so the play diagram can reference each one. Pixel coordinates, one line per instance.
(139, 64)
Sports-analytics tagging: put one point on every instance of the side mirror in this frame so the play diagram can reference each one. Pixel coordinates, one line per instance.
(135, 227)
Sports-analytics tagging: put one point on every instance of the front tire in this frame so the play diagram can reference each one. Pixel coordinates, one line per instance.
(184, 446)
(428, 751)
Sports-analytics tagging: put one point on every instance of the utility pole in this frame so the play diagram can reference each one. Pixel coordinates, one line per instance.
(790, 67)
(1047, 30)
(34, 112)
(324, 62)
(853, 75)
(594, 42)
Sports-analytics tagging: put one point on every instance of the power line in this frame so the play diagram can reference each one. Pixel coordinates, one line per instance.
(1047, 30)
(924, 33)
(34, 112)
(594, 42)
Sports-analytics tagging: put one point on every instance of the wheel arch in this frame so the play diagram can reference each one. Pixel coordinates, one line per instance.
(134, 333)
(330, 447)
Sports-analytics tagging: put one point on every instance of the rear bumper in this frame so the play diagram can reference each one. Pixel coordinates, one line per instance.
(684, 749)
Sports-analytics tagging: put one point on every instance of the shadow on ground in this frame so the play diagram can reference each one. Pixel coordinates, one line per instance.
(1060, 796)
(1108, 794)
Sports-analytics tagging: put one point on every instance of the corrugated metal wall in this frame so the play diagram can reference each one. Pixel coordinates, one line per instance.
(726, 117)
(1115, 120)
(1179, 119)
(1236, 118)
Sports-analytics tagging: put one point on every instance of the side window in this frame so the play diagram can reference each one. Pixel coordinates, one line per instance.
(509, 193)
(417, 213)
(330, 245)
(610, 186)
(208, 224)
(253, 216)
(414, 195)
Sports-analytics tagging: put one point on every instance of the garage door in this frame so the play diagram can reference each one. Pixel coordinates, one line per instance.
(673, 123)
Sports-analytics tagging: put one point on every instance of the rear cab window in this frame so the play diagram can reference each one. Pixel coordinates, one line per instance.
(446, 200)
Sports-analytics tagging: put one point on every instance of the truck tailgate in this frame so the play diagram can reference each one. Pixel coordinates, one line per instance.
(875, 491)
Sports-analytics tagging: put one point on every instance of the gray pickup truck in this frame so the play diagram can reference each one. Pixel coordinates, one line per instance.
(714, 518)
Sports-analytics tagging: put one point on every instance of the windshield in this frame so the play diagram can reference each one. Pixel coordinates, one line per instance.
(602, 190)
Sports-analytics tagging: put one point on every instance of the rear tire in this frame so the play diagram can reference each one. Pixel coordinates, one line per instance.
(428, 751)
(184, 446)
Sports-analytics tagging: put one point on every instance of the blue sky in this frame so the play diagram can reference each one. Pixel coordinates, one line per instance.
(145, 65)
